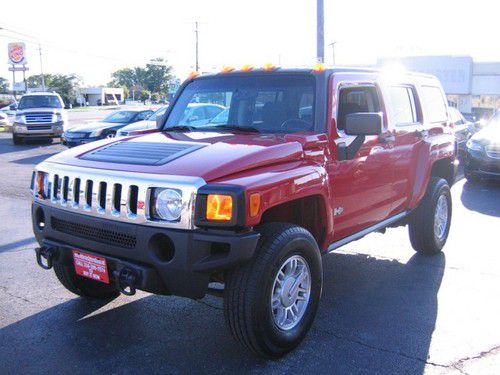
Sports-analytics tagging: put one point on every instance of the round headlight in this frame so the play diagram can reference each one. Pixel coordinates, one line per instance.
(169, 204)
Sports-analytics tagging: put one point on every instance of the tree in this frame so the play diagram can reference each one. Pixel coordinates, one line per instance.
(155, 77)
(145, 95)
(158, 76)
(123, 78)
(65, 85)
(155, 97)
(4, 85)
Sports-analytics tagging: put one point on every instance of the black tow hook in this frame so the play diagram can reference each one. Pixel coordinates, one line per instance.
(126, 279)
(45, 252)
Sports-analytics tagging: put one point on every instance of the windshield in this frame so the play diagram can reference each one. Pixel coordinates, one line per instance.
(267, 104)
(120, 117)
(39, 101)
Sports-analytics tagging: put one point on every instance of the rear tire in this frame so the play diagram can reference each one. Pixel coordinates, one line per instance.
(271, 301)
(430, 222)
(16, 140)
(82, 286)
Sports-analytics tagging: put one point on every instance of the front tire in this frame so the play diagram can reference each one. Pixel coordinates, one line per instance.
(430, 223)
(270, 302)
(16, 140)
(84, 287)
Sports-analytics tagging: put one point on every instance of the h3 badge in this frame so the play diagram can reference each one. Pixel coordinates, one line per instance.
(338, 211)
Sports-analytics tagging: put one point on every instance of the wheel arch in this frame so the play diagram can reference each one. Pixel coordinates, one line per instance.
(309, 212)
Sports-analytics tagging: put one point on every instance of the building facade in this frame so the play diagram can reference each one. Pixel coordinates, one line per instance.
(472, 87)
(100, 95)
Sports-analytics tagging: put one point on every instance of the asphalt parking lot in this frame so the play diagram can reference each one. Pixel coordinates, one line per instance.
(384, 309)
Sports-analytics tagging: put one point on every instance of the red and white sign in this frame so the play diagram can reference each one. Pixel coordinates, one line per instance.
(91, 266)
(17, 53)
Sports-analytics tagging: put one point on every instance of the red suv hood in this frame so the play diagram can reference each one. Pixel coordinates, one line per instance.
(222, 154)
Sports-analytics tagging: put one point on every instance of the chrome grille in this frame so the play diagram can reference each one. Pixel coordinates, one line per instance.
(493, 152)
(119, 196)
(39, 127)
(38, 118)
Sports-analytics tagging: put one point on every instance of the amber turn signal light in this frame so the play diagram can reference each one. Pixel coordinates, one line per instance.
(219, 207)
(254, 204)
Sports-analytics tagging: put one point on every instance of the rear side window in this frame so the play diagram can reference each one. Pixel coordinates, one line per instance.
(356, 100)
(403, 108)
(435, 104)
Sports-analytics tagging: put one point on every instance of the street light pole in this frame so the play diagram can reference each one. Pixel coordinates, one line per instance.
(196, 33)
(320, 31)
(41, 66)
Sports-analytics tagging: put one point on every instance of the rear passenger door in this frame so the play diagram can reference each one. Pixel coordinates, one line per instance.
(405, 121)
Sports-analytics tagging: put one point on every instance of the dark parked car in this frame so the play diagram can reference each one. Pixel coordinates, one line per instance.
(106, 128)
(482, 159)
(463, 129)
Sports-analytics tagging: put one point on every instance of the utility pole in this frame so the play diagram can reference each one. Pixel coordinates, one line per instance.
(320, 31)
(197, 65)
(41, 66)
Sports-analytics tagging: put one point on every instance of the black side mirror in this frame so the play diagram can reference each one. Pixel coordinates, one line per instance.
(363, 123)
(13, 106)
(360, 125)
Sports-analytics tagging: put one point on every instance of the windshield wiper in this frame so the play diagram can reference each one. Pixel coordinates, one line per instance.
(181, 128)
(250, 129)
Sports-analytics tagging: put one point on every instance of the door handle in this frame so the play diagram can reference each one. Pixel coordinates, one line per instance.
(421, 133)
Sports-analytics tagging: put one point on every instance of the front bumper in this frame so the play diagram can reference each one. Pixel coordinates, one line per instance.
(477, 163)
(166, 261)
(73, 142)
(38, 130)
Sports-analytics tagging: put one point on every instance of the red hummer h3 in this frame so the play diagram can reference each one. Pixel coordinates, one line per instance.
(244, 202)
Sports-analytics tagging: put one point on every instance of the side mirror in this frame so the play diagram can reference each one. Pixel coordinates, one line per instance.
(192, 119)
(13, 106)
(360, 125)
(363, 123)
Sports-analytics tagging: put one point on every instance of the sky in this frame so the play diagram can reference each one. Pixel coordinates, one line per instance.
(94, 38)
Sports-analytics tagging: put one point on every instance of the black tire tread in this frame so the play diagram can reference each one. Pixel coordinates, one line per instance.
(242, 283)
(421, 228)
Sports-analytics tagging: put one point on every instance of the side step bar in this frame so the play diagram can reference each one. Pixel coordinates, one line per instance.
(356, 236)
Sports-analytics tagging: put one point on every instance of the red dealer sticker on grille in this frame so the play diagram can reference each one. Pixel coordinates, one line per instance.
(90, 266)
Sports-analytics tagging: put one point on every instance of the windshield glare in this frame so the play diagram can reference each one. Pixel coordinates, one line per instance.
(39, 101)
(267, 104)
(120, 117)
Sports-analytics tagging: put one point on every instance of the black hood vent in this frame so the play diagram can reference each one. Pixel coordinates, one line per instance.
(141, 153)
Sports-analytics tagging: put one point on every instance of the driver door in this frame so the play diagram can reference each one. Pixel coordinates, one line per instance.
(361, 188)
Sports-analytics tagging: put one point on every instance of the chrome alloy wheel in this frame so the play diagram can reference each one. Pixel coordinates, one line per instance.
(441, 217)
(290, 293)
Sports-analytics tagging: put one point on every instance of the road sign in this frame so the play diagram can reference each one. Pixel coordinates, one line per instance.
(15, 68)
(17, 53)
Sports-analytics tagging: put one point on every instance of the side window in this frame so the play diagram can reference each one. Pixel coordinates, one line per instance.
(403, 107)
(356, 100)
(435, 104)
